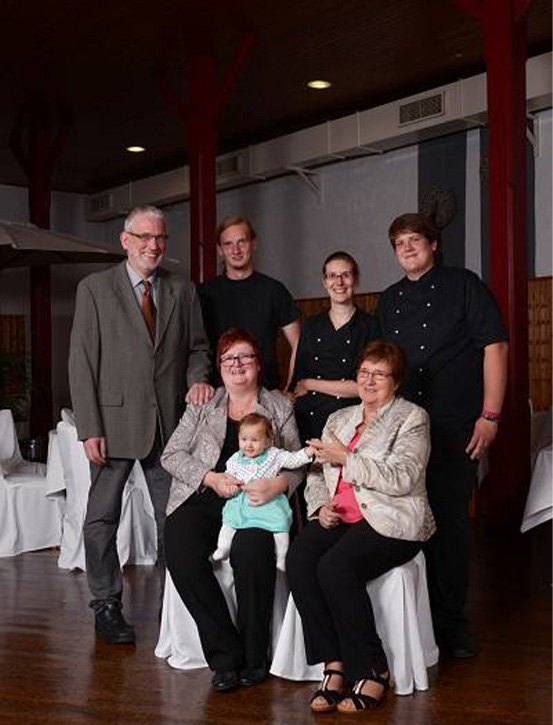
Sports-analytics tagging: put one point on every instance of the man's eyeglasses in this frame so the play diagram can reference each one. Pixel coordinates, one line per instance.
(145, 237)
(244, 358)
(377, 375)
(335, 276)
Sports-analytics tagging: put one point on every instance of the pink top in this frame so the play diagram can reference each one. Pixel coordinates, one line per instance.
(344, 498)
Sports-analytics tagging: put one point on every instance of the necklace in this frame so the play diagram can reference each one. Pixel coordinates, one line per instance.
(237, 413)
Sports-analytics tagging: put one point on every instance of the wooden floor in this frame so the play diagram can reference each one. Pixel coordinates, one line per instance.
(52, 670)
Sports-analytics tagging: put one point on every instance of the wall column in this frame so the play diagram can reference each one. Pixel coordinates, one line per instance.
(38, 163)
(200, 115)
(504, 26)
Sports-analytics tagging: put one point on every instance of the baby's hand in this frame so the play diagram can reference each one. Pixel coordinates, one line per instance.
(310, 451)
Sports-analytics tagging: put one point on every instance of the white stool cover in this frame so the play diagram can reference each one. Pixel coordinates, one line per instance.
(539, 502)
(136, 536)
(28, 520)
(179, 641)
(402, 614)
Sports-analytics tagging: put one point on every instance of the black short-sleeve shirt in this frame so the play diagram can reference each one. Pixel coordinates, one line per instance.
(328, 354)
(443, 320)
(259, 304)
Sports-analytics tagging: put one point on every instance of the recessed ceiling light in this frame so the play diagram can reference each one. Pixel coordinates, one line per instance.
(319, 85)
(136, 149)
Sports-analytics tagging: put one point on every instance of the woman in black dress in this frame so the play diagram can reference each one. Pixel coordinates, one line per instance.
(330, 343)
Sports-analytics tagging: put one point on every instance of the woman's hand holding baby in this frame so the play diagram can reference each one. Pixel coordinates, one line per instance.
(333, 451)
(224, 485)
(262, 490)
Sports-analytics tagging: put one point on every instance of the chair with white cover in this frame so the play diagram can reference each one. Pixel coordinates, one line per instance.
(179, 641)
(136, 535)
(28, 520)
(402, 615)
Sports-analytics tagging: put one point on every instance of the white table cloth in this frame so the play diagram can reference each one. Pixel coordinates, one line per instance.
(28, 520)
(539, 503)
(55, 481)
(179, 641)
(68, 477)
(402, 615)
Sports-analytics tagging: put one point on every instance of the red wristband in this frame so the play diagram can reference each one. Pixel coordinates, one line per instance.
(491, 416)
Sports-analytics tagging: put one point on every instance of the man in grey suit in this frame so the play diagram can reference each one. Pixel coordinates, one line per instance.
(137, 345)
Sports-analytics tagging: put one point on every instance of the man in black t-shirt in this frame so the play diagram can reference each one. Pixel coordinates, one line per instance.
(242, 297)
(450, 327)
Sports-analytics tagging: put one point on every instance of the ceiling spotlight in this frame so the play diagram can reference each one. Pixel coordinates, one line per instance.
(136, 149)
(319, 85)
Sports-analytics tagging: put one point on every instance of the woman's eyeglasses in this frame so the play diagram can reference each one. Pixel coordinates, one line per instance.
(244, 358)
(335, 276)
(377, 375)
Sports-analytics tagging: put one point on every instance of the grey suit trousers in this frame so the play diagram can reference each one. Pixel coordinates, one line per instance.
(102, 519)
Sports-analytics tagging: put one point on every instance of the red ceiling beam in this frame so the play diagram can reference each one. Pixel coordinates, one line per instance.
(471, 7)
(504, 28)
(200, 115)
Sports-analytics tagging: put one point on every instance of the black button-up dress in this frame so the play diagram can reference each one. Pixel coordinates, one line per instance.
(328, 354)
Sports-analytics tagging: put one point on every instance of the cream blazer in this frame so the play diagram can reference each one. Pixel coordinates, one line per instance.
(386, 468)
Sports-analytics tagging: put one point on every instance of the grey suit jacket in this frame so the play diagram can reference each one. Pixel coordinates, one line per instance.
(197, 442)
(121, 383)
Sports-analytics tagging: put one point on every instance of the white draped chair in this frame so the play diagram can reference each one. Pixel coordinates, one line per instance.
(179, 641)
(402, 614)
(28, 520)
(136, 536)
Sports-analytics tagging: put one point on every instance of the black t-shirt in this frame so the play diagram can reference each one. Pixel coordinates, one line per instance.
(259, 304)
(443, 320)
(328, 354)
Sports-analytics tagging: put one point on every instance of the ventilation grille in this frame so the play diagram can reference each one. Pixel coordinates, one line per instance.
(231, 166)
(428, 107)
(228, 165)
(100, 203)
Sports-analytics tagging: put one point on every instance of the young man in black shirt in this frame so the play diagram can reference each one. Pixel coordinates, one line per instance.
(450, 327)
(242, 297)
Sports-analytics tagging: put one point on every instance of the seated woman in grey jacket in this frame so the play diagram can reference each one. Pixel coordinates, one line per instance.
(366, 498)
(196, 456)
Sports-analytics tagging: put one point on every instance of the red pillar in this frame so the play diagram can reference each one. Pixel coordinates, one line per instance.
(504, 24)
(200, 115)
(202, 152)
(38, 162)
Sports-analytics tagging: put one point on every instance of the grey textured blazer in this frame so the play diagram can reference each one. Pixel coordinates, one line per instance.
(387, 469)
(121, 383)
(195, 445)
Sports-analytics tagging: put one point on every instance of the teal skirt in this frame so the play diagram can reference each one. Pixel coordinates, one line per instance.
(274, 516)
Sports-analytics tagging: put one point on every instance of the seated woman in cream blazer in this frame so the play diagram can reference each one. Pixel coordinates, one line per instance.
(368, 510)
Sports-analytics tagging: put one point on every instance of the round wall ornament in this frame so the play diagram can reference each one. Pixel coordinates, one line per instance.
(441, 204)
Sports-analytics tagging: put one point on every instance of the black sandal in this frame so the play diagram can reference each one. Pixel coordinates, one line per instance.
(331, 697)
(365, 702)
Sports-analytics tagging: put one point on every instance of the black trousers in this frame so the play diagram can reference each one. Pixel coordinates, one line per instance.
(450, 479)
(103, 512)
(190, 538)
(328, 570)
